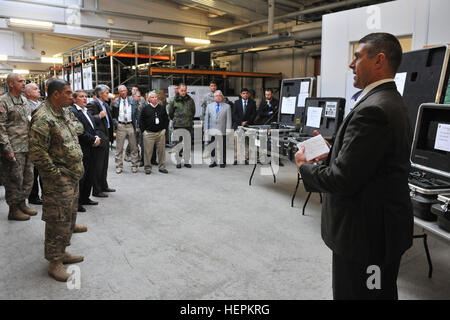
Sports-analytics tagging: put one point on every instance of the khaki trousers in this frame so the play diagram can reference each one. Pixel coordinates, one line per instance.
(123, 132)
(150, 140)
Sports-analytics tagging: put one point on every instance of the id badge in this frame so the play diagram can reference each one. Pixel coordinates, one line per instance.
(157, 120)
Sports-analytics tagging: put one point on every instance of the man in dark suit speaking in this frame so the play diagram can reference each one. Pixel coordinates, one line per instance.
(367, 218)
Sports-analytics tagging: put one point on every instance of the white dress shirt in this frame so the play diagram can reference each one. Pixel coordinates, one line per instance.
(84, 110)
(370, 87)
(124, 110)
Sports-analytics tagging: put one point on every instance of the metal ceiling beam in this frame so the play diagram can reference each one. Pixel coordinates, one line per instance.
(326, 7)
(234, 10)
(116, 14)
(290, 3)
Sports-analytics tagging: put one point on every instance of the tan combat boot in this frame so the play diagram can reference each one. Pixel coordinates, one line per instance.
(72, 258)
(57, 271)
(27, 210)
(79, 228)
(16, 214)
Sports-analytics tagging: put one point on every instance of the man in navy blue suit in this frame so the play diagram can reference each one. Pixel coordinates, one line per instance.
(89, 140)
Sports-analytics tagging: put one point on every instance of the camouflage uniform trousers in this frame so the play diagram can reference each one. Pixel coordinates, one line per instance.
(59, 211)
(18, 178)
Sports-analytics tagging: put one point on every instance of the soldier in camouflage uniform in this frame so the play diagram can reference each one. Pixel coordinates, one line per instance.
(55, 151)
(208, 99)
(15, 116)
(182, 112)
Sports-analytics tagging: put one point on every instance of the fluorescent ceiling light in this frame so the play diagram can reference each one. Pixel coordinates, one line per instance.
(21, 71)
(3, 57)
(51, 60)
(200, 41)
(30, 23)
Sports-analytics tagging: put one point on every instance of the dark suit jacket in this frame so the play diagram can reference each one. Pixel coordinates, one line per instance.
(367, 212)
(134, 112)
(87, 138)
(239, 116)
(263, 111)
(101, 124)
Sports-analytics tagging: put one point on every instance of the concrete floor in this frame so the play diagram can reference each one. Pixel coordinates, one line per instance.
(197, 233)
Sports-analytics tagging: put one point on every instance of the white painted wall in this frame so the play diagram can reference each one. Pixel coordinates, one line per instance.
(426, 20)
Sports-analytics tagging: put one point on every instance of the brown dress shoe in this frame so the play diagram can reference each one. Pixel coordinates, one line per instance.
(72, 258)
(79, 228)
(57, 271)
(16, 214)
(27, 210)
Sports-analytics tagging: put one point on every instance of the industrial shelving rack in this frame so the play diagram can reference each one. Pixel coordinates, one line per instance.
(113, 63)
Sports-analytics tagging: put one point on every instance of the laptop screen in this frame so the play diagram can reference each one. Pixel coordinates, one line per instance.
(431, 146)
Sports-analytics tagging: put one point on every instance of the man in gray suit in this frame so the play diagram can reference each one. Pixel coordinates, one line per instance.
(367, 218)
(217, 124)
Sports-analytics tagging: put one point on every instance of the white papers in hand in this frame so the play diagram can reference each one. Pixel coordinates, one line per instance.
(314, 147)
(288, 105)
(443, 137)
(313, 117)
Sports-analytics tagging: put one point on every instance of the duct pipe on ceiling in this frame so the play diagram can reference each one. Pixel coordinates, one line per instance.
(289, 15)
(275, 38)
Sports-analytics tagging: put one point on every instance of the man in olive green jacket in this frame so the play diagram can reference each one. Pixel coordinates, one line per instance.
(182, 112)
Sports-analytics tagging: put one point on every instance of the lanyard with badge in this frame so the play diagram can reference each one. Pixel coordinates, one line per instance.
(156, 117)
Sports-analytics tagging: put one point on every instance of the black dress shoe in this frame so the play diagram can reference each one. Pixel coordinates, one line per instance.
(81, 208)
(100, 195)
(109, 190)
(37, 201)
(223, 165)
(89, 202)
(212, 165)
(179, 166)
(187, 165)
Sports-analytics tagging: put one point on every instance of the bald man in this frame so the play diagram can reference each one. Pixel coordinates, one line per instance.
(15, 117)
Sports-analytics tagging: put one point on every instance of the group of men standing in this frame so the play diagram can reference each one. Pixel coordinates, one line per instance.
(221, 117)
(68, 141)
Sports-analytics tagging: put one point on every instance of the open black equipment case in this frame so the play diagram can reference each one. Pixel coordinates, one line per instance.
(427, 75)
(332, 115)
(430, 162)
(291, 88)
